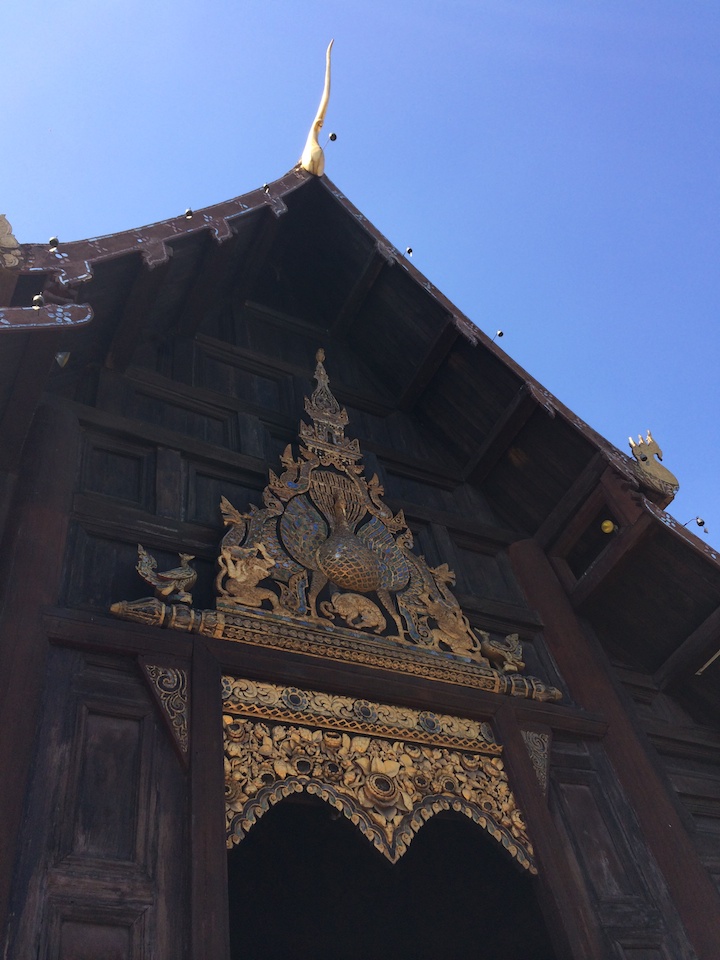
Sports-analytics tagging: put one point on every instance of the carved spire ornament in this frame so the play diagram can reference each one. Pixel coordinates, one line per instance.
(313, 158)
(326, 567)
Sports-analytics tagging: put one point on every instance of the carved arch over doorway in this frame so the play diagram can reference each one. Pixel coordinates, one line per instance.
(386, 769)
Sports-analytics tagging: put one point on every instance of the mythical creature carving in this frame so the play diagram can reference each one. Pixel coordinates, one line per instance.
(650, 472)
(325, 549)
(244, 568)
(357, 611)
(171, 585)
(504, 654)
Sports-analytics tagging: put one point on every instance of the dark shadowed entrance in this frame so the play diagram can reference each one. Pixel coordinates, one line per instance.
(305, 884)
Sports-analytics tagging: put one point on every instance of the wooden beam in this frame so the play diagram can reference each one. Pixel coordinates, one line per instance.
(587, 673)
(208, 864)
(261, 244)
(8, 282)
(92, 631)
(434, 358)
(692, 653)
(566, 902)
(507, 427)
(31, 570)
(572, 500)
(622, 498)
(105, 634)
(222, 267)
(621, 546)
(138, 305)
(578, 523)
(30, 382)
(360, 291)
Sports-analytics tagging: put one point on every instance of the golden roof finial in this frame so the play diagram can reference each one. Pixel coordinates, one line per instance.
(313, 158)
(8, 244)
(653, 472)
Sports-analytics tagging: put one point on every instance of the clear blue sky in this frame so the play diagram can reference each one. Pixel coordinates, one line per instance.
(554, 164)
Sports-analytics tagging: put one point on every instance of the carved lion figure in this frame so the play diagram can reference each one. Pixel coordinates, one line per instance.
(357, 611)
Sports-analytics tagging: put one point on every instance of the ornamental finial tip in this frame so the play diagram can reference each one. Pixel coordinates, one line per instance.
(313, 158)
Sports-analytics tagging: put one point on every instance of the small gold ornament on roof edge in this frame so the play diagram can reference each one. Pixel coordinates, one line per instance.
(9, 247)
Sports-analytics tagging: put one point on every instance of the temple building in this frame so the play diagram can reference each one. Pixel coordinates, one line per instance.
(325, 630)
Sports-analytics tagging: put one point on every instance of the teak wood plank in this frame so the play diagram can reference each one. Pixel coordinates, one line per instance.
(606, 564)
(223, 265)
(506, 428)
(587, 674)
(209, 899)
(31, 574)
(28, 386)
(554, 525)
(564, 897)
(75, 628)
(360, 291)
(692, 653)
(436, 355)
(138, 305)
(88, 631)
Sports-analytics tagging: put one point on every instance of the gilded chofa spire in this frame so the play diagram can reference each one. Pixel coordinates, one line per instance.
(313, 158)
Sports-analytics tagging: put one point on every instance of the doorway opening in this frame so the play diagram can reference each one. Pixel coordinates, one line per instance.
(304, 884)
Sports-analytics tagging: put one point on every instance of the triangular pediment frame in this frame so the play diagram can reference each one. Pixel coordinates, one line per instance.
(325, 568)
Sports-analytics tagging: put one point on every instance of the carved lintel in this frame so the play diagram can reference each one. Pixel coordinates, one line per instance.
(387, 769)
(263, 628)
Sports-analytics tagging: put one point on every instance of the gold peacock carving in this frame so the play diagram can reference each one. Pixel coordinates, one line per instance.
(325, 551)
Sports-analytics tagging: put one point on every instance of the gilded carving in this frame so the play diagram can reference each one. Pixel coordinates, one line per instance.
(172, 585)
(324, 551)
(538, 746)
(170, 686)
(9, 247)
(649, 470)
(386, 769)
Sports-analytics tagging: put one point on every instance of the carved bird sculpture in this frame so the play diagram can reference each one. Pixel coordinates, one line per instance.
(171, 585)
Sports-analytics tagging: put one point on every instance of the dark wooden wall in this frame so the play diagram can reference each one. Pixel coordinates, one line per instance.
(119, 852)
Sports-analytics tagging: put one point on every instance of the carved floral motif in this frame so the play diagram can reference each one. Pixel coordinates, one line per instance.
(538, 746)
(170, 686)
(388, 786)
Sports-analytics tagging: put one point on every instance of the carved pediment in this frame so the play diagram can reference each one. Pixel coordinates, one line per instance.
(326, 553)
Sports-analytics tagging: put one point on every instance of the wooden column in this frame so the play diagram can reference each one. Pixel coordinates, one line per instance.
(31, 577)
(562, 894)
(208, 889)
(588, 677)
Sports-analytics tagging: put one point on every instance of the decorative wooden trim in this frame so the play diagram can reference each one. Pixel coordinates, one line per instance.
(538, 747)
(169, 687)
(387, 769)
